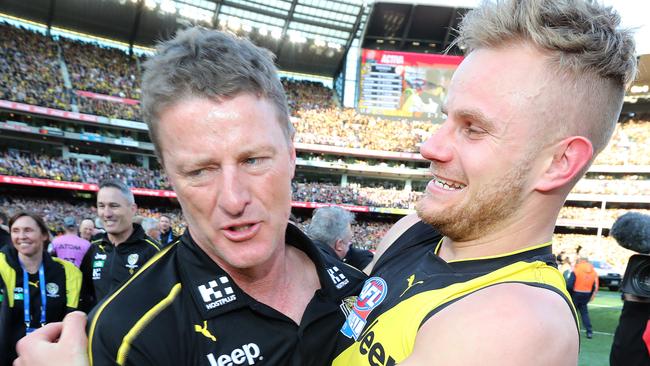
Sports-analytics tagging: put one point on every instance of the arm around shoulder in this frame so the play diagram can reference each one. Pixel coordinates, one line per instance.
(507, 324)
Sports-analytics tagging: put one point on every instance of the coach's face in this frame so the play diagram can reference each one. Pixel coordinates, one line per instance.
(483, 155)
(231, 166)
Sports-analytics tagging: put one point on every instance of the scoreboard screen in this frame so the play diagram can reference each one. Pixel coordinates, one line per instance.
(404, 84)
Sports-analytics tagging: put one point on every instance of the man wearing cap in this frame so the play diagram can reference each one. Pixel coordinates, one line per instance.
(70, 246)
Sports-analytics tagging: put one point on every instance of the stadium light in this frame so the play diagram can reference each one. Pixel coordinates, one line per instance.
(150, 4)
(234, 24)
(276, 33)
(167, 6)
(318, 42)
(263, 31)
(333, 45)
(296, 37)
(246, 27)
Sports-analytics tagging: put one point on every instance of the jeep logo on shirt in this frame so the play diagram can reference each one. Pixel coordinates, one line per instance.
(247, 354)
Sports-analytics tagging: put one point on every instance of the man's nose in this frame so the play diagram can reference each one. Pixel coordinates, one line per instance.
(439, 147)
(234, 193)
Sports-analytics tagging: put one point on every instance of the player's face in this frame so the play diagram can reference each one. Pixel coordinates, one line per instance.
(482, 154)
(165, 224)
(114, 210)
(27, 236)
(86, 229)
(231, 166)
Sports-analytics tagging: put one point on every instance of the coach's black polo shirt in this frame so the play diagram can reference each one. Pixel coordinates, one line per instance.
(183, 309)
(106, 266)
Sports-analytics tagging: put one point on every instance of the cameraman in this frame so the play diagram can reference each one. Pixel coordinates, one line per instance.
(631, 345)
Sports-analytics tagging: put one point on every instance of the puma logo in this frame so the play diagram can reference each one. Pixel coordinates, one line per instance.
(411, 283)
(204, 330)
(35, 284)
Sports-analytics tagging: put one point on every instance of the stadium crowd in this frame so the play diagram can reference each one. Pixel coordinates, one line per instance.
(31, 73)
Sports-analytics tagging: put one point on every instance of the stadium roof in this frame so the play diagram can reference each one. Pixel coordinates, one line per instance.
(309, 36)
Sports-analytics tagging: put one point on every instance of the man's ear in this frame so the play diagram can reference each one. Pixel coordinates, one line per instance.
(338, 244)
(570, 157)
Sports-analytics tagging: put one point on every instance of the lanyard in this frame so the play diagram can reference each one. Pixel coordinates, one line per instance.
(26, 305)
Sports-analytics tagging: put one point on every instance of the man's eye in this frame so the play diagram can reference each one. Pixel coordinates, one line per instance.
(474, 131)
(254, 161)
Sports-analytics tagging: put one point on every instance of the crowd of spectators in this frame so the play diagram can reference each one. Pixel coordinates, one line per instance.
(602, 248)
(30, 69)
(594, 214)
(304, 95)
(102, 70)
(73, 170)
(347, 128)
(630, 145)
(387, 194)
(53, 211)
(353, 194)
(30, 72)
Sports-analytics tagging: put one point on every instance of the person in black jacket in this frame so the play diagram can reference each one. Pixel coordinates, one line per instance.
(5, 238)
(631, 345)
(36, 288)
(119, 252)
(166, 231)
(331, 230)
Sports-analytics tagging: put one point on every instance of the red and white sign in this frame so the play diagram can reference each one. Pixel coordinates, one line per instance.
(109, 98)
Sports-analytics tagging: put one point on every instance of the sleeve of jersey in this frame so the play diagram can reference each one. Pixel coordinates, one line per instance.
(73, 282)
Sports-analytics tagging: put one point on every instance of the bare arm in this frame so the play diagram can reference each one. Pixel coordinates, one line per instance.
(505, 325)
(398, 229)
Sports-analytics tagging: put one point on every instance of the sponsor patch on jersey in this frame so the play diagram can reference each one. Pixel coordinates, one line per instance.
(217, 292)
(98, 264)
(338, 278)
(372, 294)
(52, 289)
(247, 354)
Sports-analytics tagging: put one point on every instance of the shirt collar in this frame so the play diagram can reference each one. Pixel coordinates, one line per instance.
(214, 292)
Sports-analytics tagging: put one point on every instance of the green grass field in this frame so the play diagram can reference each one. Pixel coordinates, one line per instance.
(604, 312)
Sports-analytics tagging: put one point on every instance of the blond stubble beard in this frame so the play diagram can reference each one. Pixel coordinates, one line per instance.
(475, 216)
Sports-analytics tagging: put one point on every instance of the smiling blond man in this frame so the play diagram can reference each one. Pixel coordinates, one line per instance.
(471, 280)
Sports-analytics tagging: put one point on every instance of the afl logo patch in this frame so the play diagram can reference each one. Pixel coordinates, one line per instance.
(52, 289)
(132, 258)
(372, 294)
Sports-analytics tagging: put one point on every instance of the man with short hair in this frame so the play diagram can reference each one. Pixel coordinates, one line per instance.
(472, 280)
(151, 227)
(70, 246)
(166, 231)
(227, 291)
(86, 229)
(122, 250)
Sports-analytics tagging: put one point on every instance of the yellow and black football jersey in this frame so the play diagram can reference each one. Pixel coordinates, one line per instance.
(410, 283)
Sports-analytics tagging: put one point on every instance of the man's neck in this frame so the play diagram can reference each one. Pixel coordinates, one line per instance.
(275, 283)
(31, 263)
(117, 239)
(522, 232)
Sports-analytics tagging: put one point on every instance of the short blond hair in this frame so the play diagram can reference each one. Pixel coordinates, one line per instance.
(583, 44)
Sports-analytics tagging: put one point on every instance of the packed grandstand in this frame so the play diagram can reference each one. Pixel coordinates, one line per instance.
(363, 162)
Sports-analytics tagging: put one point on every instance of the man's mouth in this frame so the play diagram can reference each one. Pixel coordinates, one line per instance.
(240, 228)
(447, 185)
(241, 232)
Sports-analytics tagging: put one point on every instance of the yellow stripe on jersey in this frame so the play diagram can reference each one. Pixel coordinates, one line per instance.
(125, 347)
(395, 330)
(153, 244)
(93, 324)
(73, 279)
(8, 275)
